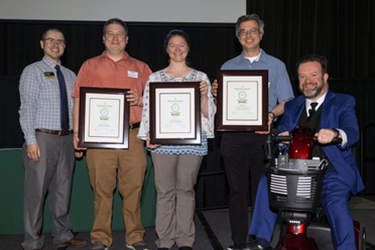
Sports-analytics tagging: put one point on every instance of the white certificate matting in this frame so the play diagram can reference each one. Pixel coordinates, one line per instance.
(104, 121)
(242, 99)
(174, 113)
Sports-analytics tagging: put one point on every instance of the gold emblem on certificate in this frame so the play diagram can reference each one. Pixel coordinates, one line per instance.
(104, 114)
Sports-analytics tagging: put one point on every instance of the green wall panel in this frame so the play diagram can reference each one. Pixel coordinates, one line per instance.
(82, 203)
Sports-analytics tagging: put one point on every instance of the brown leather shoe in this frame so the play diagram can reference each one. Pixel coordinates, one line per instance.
(74, 242)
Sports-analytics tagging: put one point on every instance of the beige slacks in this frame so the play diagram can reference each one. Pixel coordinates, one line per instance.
(129, 165)
(175, 177)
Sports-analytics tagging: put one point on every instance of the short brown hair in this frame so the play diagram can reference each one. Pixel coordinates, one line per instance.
(246, 18)
(314, 58)
(115, 21)
(44, 35)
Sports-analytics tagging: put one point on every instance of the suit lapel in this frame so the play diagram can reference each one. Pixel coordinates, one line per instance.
(300, 105)
(324, 118)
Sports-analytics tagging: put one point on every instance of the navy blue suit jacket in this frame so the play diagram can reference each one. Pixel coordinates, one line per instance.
(337, 112)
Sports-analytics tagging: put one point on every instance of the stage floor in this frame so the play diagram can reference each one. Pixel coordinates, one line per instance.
(213, 232)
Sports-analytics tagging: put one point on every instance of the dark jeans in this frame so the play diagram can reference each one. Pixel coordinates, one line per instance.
(242, 152)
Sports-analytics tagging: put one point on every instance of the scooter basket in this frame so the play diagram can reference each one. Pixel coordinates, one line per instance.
(295, 189)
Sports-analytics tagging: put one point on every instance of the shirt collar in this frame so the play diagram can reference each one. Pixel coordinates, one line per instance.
(255, 58)
(104, 54)
(319, 101)
(183, 79)
(259, 57)
(50, 63)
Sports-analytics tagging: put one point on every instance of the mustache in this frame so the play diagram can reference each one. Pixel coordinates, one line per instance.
(308, 83)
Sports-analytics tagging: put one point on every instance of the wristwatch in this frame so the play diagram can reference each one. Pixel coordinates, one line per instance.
(337, 132)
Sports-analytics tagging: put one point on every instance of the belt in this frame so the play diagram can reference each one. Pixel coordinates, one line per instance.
(55, 132)
(134, 125)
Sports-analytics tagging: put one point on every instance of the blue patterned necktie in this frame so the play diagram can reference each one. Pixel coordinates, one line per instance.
(64, 114)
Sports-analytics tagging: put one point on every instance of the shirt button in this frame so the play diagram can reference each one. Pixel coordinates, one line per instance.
(116, 73)
(249, 66)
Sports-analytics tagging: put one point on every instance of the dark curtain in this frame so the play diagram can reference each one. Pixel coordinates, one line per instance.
(10, 130)
(211, 44)
(340, 30)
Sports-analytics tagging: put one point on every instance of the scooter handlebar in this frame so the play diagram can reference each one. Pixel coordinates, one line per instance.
(281, 138)
(335, 140)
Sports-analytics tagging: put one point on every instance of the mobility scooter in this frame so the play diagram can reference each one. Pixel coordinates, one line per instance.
(295, 181)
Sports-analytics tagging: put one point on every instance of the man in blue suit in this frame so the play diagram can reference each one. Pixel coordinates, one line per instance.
(332, 115)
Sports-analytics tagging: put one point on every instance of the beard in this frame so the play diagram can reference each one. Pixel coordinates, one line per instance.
(312, 93)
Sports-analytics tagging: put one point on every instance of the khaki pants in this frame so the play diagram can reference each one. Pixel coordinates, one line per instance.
(130, 166)
(175, 177)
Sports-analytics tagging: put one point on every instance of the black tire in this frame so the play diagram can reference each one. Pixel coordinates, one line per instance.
(362, 239)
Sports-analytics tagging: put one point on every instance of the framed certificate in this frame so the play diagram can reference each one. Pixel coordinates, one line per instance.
(175, 113)
(242, 101)
(103, 118)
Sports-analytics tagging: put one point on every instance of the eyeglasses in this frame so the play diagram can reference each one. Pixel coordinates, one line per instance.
(250, 31)
(51, 41)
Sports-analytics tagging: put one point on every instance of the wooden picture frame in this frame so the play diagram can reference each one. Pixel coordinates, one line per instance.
(103, 118)
(242, 100)
(175, 113)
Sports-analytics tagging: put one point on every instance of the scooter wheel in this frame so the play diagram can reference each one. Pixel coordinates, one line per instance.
(362, 239)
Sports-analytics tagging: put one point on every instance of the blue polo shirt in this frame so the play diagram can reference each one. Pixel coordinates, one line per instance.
(279, 87)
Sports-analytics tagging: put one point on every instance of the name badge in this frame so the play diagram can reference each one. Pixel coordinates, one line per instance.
(132, 74)
(49, 75)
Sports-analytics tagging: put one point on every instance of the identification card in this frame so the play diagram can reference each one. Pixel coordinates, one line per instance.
(49, 75)
(132, 74)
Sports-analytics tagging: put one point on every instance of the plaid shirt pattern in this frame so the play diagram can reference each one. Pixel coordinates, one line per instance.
(40, 98)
